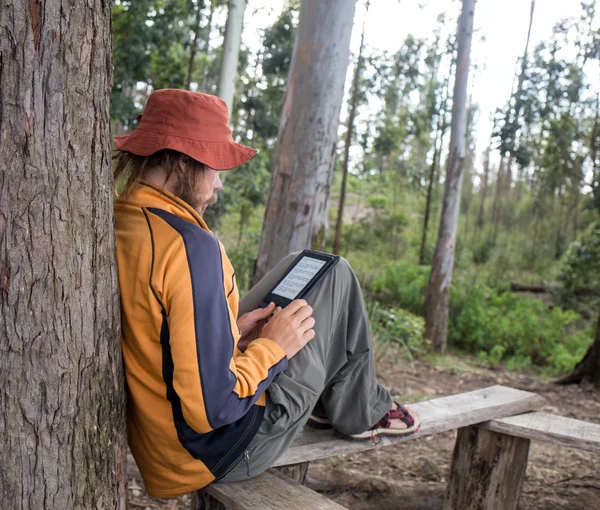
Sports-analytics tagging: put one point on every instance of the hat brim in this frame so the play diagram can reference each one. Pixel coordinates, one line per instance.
(217, 155)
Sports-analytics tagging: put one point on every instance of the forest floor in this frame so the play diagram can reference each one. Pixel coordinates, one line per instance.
(413, 475)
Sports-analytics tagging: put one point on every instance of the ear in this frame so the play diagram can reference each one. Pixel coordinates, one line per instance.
(182, 161)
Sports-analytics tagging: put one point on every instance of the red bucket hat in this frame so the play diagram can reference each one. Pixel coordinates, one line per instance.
(189, 122)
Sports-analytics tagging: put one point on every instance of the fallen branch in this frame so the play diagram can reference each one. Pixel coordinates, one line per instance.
(544, 289)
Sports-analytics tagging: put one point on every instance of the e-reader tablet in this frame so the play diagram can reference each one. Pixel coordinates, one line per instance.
(301, 277)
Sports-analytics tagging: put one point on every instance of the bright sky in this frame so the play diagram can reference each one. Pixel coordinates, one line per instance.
(499, 40)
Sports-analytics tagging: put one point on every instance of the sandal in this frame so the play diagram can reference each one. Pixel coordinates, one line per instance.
(382, 427)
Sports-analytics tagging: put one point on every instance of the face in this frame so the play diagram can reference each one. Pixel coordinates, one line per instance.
(206, 192)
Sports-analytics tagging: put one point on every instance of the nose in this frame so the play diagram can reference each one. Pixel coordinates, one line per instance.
(218, 184)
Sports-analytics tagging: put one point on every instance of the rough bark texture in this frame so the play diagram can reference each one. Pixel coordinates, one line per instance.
(296, 213)
(588, 369)
(231, 51)
(337, 243)
(487, 471)
(62, 429)
(438, 290)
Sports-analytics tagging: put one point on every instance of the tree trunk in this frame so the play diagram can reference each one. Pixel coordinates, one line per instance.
(588, 369)
(518, 103)
(486, 173)
(206, 46)
(353, 104)
(497, 209)
(62, 409)
(509, 179)
(194, 45)
(438, 290)
(437, 150)
(231, 51)
(296, 213)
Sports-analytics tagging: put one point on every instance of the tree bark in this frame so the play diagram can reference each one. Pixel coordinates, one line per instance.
(438, 290)
(296, 213)
(353, 105)
(231, 51)
(62, 414)
(588, 369)
(437, 150)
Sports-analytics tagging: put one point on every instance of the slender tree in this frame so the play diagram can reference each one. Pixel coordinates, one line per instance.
(438, 144)
(206, 45)
(349, 133)
(231, 51)
(484, 187)
(198, 6)
(62, 413)
(438, 290)
(296, 213)
(516, 118)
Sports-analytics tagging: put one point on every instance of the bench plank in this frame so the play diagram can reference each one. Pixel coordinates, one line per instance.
(551, 428)
(271, 490)
(437, 415)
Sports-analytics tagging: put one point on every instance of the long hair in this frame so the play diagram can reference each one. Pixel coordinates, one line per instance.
(130, 168)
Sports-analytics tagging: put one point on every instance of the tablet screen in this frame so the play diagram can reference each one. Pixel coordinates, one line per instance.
(298, 277)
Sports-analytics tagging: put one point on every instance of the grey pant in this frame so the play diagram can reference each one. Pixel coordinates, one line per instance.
(335, 371)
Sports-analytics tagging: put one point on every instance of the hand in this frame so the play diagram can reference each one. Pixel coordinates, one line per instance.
(250, 325)
(292, 327)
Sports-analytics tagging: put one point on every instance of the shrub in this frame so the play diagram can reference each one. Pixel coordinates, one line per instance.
(492, 323)
(402, 285)
(390, 324)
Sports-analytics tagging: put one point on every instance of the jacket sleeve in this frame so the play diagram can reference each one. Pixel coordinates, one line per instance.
(216, 383)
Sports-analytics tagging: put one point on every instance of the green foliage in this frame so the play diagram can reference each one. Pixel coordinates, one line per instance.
(550, 130)
(580, 264)
(402, 285)
(242, 258)
(495, 324)
(391, 324)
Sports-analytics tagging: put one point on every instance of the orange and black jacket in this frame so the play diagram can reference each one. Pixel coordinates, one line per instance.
(194, 400)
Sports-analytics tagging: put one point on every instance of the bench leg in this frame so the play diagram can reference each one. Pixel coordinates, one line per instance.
(296, 472)
(203, 501)
(487, 470)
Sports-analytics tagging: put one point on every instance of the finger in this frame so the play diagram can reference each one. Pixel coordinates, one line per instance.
(294, 306)
(303, 313)
(307, 324)
(308, 335)
(263, 313)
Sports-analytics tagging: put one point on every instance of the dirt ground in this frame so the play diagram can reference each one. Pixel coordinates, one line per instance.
(413, 475)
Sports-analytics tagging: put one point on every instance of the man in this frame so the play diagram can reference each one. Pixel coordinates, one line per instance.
(217, 388)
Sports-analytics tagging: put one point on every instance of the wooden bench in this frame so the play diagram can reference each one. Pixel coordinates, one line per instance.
(490, 459)
(438, 415)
